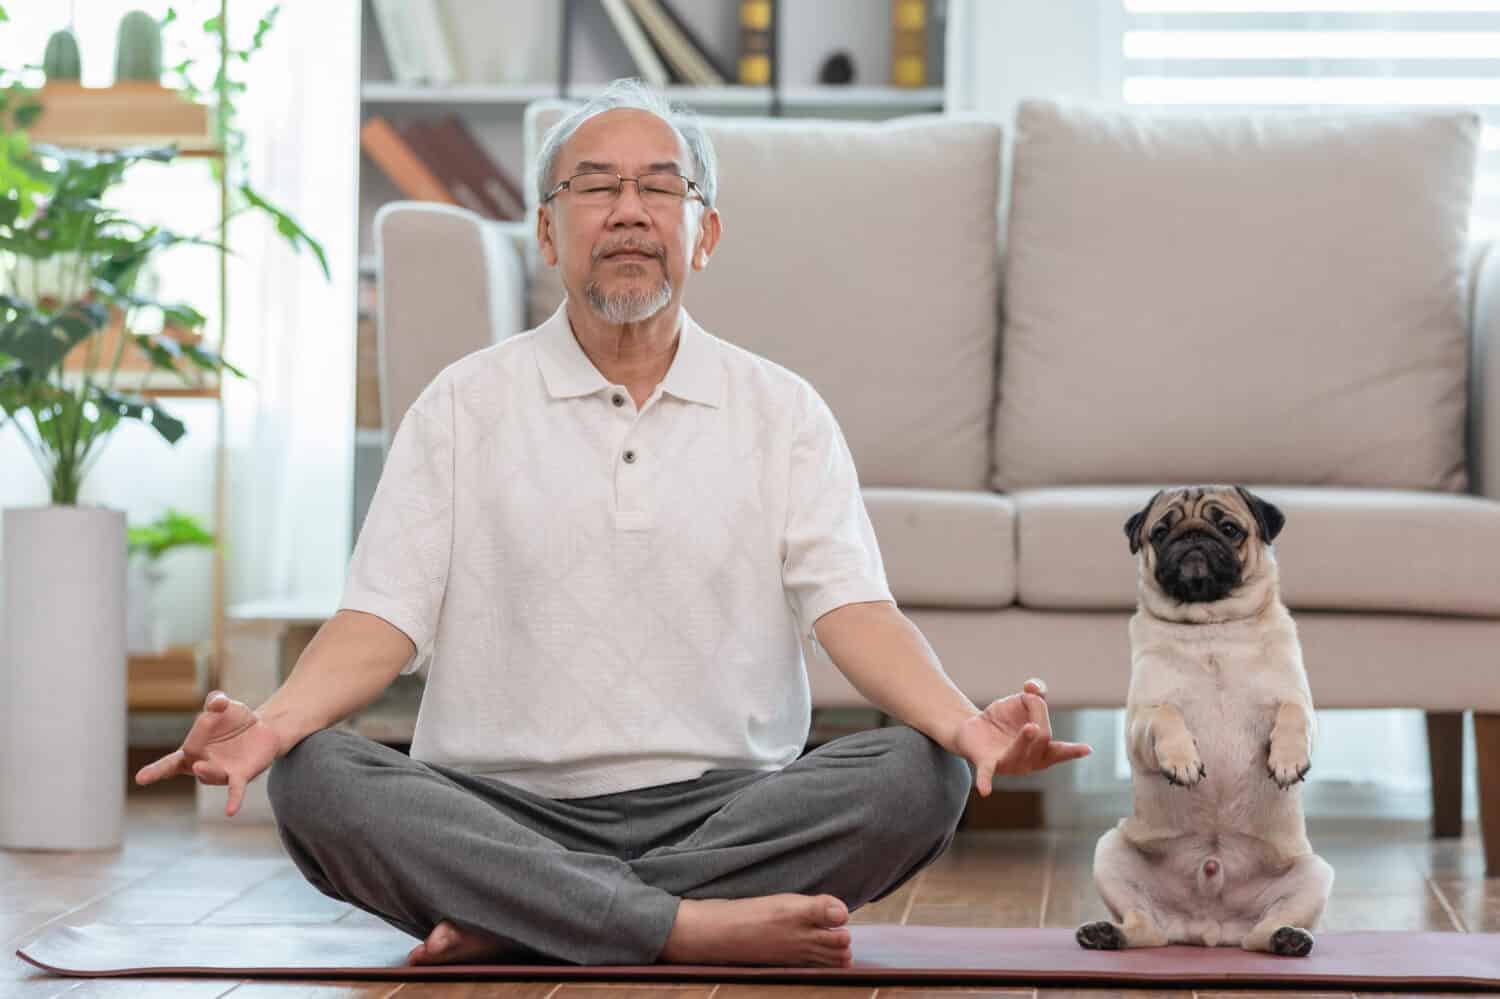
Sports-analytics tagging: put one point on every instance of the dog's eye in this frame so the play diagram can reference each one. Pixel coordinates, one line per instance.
(1230, 531)
(1159, 531)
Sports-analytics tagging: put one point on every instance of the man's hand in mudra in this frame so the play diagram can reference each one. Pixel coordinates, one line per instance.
(228, 744)
(1013, 736)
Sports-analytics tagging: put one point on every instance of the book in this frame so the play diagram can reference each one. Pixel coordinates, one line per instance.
(634, 36)
(909, 43)
(755, 42)
(384, 145)
(937, 42)
(723, 71)
(432, 39)
(431, 149)
(398, 32)
(682, 54)
(484, 175)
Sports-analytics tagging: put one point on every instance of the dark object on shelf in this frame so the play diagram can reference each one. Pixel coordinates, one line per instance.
(837, 68)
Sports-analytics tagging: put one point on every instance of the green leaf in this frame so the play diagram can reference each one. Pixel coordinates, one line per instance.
(135, 407)
(172, 529)
(210, 360)
(288, 227)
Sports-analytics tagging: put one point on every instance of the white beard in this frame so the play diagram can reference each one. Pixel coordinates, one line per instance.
(628, 307)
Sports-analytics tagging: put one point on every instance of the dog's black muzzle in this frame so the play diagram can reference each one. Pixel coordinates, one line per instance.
(1197, 567)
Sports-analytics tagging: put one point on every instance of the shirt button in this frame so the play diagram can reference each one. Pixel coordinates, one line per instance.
(629, 457)
(617, 399)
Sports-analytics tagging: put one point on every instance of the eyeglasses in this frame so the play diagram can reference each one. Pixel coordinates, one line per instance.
(659, 190)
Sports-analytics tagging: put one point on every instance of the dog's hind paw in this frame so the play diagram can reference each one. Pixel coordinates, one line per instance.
(1100, 936)
(1290, 941)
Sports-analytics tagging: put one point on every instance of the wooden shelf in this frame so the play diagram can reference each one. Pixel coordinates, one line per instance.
(126, 114)
(728, 97)
(154, 385)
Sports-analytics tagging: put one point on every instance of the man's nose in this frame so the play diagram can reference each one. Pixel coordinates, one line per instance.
(629, 209)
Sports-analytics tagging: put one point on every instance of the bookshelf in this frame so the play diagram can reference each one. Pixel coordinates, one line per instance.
(163, 690)
(705, 99)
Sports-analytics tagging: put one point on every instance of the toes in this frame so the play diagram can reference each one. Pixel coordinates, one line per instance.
(1290, 941)
(1100, 936)
(838, 938)
(835, 912)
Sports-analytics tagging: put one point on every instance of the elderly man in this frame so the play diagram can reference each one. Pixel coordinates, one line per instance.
(606, 536)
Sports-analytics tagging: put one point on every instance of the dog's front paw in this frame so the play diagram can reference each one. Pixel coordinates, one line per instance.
(1286, 766)
(1100, 936)
(1291, 941)
(1179, 762)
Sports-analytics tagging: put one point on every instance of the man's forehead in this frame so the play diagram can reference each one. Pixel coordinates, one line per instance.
(625, 137)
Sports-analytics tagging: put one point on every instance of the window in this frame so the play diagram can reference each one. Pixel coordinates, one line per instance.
(1322, 54)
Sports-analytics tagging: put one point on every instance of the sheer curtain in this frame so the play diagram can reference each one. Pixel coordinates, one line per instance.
(290, 430)
(1249, 54)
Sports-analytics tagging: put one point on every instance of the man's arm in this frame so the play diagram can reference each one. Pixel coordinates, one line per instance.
(890, 662)
(352, 659)
(349, 662)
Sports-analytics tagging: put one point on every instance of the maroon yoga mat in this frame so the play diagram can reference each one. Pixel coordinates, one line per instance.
(883, 954)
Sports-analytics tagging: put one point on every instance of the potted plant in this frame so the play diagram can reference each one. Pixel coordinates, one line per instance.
(147, 545)
(71, 273)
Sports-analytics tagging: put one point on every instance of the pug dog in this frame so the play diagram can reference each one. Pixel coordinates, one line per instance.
(1219, 731)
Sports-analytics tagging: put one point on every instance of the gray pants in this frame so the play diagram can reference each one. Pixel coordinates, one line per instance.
(598, 880)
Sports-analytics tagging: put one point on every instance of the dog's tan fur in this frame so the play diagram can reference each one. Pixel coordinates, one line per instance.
(1219, 731)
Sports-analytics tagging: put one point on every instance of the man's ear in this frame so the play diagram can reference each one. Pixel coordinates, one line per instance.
(1267, 516)
(544, 242)
(1136, 521)
(710, 228)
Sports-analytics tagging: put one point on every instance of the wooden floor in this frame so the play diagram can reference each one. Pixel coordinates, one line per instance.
(170, 871)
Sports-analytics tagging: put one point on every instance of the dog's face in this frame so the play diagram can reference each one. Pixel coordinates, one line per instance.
(1202, 544)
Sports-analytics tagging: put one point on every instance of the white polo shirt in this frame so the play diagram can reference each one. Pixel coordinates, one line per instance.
(610, 598)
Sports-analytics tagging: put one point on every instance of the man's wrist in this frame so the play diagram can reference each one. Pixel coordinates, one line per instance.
(954, 726)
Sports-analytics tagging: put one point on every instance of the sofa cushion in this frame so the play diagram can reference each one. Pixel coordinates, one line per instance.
(1341, 549)
(946, 548)
(1276, 298)
(864, 257)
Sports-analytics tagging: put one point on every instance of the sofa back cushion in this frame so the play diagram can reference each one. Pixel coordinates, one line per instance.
(864, 257)
(1237, 297)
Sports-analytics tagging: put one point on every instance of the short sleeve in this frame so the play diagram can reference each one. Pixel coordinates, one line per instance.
(400, 564)
(832, 557)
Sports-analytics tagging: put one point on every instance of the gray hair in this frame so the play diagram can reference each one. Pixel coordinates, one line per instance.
(633, 94)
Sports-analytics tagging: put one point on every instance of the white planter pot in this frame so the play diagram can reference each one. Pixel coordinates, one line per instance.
(62, 678)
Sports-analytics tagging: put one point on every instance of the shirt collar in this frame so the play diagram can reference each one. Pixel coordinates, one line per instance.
(696, 374)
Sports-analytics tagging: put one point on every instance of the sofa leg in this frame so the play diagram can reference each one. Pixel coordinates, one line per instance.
(1487, 749)
(1445, 758)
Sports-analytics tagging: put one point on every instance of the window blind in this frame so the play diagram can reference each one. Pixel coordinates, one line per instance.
(1322, 54)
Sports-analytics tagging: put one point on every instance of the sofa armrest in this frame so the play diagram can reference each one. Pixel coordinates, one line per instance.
(1484, 372)
(451, 283)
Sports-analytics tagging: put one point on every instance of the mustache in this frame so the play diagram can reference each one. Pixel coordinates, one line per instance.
(628, 246)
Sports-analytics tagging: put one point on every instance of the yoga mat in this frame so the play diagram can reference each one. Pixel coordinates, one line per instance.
(882, 954)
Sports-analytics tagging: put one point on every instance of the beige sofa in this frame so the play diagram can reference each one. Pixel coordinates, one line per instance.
(1285, 302)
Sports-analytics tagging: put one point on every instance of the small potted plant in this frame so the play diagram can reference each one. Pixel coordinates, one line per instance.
(148, 544)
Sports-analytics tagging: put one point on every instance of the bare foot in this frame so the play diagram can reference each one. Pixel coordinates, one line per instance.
(448, 944)
(787, 930)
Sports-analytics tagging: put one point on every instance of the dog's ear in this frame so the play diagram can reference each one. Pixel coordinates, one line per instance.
(1267, 517)
(1133, 525)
